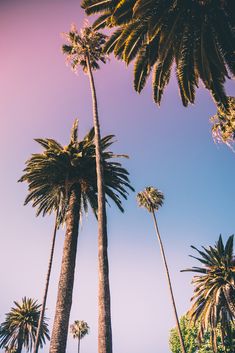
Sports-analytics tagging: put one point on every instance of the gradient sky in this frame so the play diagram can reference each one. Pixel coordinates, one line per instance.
(170, 148)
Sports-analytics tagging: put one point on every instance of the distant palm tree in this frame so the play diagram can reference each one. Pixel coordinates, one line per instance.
(19, 329)
(152, 199)
(198, 36)
(214, 293)
(85, 49)
(70, 172)
(79, 329)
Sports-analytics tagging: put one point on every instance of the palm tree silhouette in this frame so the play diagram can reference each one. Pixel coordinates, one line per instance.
(79, 330)
(19, 329)
(152, 199)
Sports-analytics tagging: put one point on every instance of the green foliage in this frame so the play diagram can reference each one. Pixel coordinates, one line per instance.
(20, 326)
(52, 174)
(197, 35)
(87, 43)
(190, 333)
(150, 198)
(214, 292)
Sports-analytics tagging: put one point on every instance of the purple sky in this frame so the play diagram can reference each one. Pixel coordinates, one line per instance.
(170, 148)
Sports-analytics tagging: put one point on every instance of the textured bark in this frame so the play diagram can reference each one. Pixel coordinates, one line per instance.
(169, 284)
(104, 324)
(66, 281)
(41, 317)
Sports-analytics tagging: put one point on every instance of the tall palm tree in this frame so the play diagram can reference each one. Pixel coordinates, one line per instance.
(79, 330)
(214, 292)
(85, 49)
(19, 329)
(70, 172)
(152, 199)
(198, 36)
(55, 206)
(48, 275)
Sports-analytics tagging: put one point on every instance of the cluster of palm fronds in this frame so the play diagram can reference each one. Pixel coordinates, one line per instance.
(51, 175)
(223, 129)
(214, 293)
(81, 45)
(198, 36)
(20, 327)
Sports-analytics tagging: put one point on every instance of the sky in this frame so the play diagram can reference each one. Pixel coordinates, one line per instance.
(170, 148)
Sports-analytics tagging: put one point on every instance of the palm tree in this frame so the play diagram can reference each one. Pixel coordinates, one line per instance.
(68, 174)
(152, 199)
(79, 329)
(223, 129)
(85, 49)
(55, 206)
(198, 36)
(20, 327)
(214, 291)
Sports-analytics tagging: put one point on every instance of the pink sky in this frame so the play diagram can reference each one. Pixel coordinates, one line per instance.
(170, 148)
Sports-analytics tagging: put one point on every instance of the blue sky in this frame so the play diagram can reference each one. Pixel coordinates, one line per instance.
(170, 148)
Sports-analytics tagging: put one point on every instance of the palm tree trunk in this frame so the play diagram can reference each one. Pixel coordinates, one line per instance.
(169, 283)
(65, 288)
(104, 324)
(79, 341)
(36, 344)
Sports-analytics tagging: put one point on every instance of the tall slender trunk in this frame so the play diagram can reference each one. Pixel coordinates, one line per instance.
(79, 341)
(41, 317)
(66, 281)
(169, 283)
(104, 324)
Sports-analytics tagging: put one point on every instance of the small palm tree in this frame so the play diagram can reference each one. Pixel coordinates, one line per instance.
(85, 49)
(214, 292)
(51, 202)
(152, 199)
(19, 329)
(68, 175)
(79, 329)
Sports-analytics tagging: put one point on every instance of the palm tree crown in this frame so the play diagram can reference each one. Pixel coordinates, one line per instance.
(50, 175)
(151, 198)
(214, 292)
(20, 326)
(80, 45)
(79, 329)
(223, 129)
(198, 36)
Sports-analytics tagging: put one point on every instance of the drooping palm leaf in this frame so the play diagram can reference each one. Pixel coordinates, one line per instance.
(201, 34)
